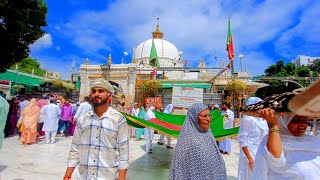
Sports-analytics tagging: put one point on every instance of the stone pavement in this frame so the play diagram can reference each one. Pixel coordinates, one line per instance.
(48, 161)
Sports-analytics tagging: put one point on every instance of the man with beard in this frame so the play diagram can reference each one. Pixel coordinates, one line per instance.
(100, 144)
(225, 145)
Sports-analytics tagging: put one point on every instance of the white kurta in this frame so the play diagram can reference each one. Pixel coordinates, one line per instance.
(225, 145)
(292, 165)
(51, 115)
(252, 130)
(148, 132)
(135, 112)
(83, 108)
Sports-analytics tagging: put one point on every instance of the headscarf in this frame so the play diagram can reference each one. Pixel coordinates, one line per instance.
(168, 109)
(260, 123)
(306, 143)
(196, 155)
(296, 143)
(31, 114)
(150, 114)
(101, 83)
(142, 112)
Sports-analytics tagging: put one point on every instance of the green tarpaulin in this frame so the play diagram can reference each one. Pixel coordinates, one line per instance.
(170, 124)
(18, 78)
(168, 85)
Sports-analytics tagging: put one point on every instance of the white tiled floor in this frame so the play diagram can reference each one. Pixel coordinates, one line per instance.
(48, 161)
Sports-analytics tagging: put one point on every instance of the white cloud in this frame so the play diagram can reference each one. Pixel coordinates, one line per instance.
(63, 64)
(196, 27)
(305, 31)
(44, 42)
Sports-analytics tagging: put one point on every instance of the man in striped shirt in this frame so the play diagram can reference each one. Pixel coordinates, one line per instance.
(100, 145)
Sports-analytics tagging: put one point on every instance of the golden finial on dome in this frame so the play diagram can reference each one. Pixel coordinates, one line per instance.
(157, 34)
(109, 60)
(87, 61)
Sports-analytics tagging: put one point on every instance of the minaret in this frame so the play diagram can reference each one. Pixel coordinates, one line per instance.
(109, 60)
(87, 61)
(133, 61)
(157, 34)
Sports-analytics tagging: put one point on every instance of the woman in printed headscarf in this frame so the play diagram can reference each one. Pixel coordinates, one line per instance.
(287, 152)
(141, 115)
(197, 155)
(167, 110)
(148, 132)
(30, 117)
(252, 130)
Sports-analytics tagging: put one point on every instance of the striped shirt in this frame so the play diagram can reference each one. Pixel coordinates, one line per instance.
(100, 146)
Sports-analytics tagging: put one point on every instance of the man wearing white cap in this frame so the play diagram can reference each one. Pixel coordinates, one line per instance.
(134, 112)
(216, 106)
(100, 144)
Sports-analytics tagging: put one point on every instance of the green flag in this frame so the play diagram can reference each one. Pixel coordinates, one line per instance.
(78, 83)
(153, 60)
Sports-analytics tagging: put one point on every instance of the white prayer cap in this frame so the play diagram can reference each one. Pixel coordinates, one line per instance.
(216, 106)
(101, 83)
(135, 103)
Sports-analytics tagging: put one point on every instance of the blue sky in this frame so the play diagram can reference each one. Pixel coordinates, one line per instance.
(263, 31)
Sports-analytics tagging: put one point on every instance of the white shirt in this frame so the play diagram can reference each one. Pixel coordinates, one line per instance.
(100, 146)
(249, 135)
(228, 121)
(292, 165)
(135, 112)
(83, 108)
(50, 114)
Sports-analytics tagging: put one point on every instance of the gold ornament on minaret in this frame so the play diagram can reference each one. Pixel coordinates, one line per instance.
(133, 56)
(157, 34)
(87, 61)
(109, 60)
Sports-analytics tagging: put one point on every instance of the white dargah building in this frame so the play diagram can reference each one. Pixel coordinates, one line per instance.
(172, 71)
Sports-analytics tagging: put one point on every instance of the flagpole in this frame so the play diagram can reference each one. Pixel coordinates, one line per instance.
(233, 93)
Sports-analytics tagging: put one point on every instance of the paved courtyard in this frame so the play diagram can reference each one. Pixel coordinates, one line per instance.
(48, 161)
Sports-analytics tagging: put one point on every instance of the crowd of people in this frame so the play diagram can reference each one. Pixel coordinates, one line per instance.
(32, 118)
(272, 146)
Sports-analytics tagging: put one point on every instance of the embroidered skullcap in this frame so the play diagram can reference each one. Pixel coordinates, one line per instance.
(101, 83)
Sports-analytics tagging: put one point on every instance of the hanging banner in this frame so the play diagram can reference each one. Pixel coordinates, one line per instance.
(185, 97)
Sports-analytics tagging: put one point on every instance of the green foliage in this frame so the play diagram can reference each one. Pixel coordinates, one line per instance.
(271, 70)
(315, 66)
(27, 64)
(303, 71)
(281, 70)
(20, 26)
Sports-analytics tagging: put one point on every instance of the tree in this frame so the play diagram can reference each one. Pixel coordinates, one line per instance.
(315, 66)
(281, 70)
(277, 69)
(20, 26)
(290, 69)
(303, 71)
(27, 64)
